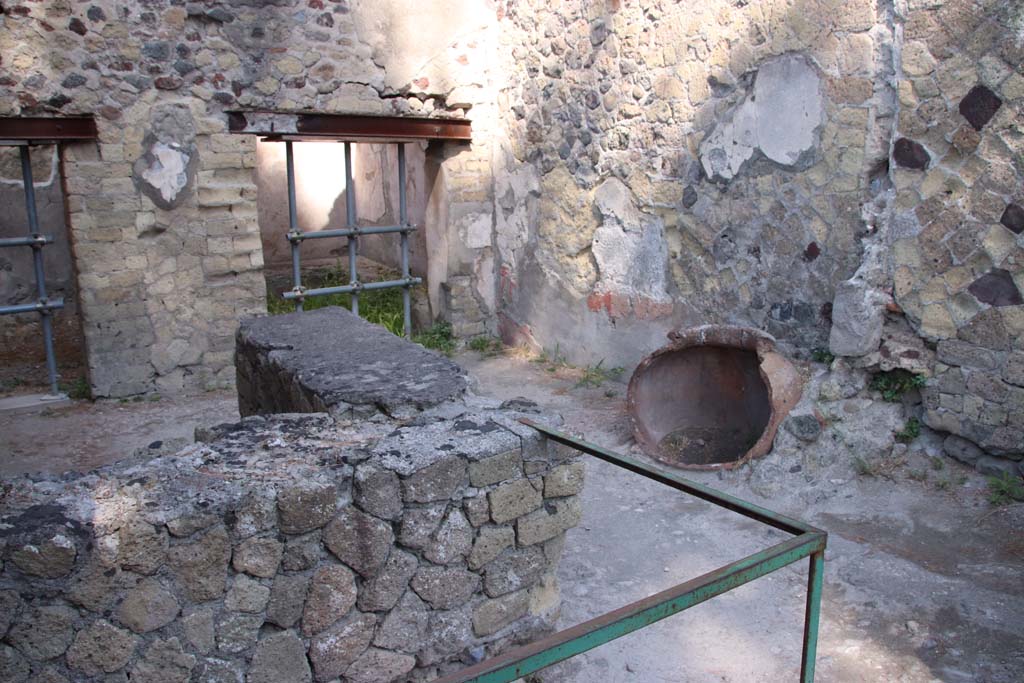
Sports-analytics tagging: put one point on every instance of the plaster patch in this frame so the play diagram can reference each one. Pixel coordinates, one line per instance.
(477, 231)
(44, 166)
(629, 246)
(167, 173)
(780, 118)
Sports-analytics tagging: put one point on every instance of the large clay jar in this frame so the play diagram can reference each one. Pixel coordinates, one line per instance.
(712, 398)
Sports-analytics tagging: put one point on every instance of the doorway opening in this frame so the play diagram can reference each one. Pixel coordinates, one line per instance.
(42, 342)
(342, 206)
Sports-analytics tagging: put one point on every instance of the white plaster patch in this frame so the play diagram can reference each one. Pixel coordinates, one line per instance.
(629, 246)
(12, 167)
(477, 232)
(788, 108)
(781, 118)
(168, 174)
(484, 280)
(517, 187)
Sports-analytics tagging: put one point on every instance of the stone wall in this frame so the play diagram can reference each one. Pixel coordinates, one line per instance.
(290, 549)
(841, 174)
(844, 175)
(685, 163)
(162, 210)
(331, 360)
(958, 223)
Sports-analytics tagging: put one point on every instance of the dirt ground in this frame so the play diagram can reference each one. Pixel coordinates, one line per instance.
(85, 435)
(922, 583)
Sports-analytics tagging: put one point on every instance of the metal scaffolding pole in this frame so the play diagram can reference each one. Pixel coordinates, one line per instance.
(293, 226)
(352, 232)
(353, 241)
(403, 220)
(37, 261)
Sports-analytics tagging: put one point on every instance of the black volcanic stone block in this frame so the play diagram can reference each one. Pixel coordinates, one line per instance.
(910, 154)
(979, 106)
(1013, 218)
(689, 196)
(996, 288)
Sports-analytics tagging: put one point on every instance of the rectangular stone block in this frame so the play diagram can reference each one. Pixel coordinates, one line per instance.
(494, 615)
(565, 480)
(553, 519)
(496, 469)
(955, 352)
(513, 500)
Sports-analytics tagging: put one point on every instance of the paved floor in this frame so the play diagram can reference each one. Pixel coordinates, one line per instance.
(921, 584)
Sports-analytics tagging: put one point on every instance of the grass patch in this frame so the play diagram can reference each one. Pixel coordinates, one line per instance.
(553, 360)
(485, 345)
(894, 383)
(78, 390)
(822, 355)
(862, 467)
(438, 337)
(1005, 489)
(380, 306)
(879, 467)
(11, 384)
(596, 375)
(911, 430)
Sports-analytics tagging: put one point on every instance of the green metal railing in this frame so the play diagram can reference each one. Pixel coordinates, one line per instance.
(807, 541)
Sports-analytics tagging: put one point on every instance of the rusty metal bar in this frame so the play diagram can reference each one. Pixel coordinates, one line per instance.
(34, 307)
(719, 498)
(47, 129)
(347, 127)
(43, 305)
(356, 288)
(607, 627)
(807, 542)
(29, 241)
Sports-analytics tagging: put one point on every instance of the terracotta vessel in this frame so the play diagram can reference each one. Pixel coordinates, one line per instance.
(712, 398)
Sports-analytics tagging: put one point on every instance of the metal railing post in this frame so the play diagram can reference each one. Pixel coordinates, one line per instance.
(37, 260)
(293, 224)
(353, 241)
(815, 579)
(807, 542)
(403, 220)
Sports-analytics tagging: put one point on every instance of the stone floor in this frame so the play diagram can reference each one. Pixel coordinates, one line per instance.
(922, 583)
(85, 435)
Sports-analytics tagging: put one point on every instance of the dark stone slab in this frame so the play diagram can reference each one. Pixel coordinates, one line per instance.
(1013, 218)
(986, 330)
(330, 360)
(689, 196)
(979, 106)
(910, 154)
(996, 288)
